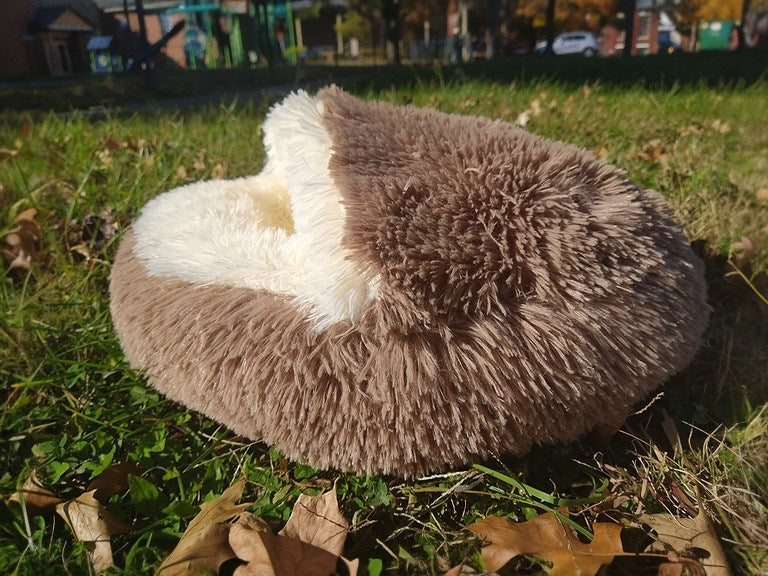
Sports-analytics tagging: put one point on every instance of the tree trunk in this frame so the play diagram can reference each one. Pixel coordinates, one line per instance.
(391, 13)
(550, 26)
(629, 27)
(740, 28)
(492, 37)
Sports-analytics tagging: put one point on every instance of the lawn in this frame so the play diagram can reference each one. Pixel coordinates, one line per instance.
(73, 409)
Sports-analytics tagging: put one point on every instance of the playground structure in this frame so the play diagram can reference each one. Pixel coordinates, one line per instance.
(199, 34)
(234, 33)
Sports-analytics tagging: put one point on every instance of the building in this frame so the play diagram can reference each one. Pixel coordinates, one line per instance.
(46, 37)
(653, 32)
(63, 37)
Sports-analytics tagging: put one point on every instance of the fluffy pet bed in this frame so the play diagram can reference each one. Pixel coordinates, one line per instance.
(402, 290)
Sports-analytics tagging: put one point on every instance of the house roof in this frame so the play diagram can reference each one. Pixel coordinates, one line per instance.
(59, 18)
(99, 43)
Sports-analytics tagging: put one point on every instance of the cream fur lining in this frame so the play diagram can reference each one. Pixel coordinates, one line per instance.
(280, 230)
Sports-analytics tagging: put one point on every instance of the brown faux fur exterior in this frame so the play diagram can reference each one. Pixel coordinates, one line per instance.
(527, 292)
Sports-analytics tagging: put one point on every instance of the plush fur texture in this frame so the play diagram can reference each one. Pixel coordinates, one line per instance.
(402, 290)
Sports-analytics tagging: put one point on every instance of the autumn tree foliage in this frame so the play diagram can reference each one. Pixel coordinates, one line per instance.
(570, 14)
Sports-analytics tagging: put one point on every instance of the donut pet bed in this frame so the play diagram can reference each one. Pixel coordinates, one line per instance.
(403, 291)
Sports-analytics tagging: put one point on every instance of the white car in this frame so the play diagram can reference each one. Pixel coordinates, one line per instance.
(571, 43)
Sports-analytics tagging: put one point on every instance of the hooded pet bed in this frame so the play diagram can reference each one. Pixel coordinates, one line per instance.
(402, 290)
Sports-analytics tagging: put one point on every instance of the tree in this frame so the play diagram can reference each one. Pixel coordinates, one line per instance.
(354, 25)
(550, 26)
(629, 27)
(568, 14)
(740, 28)
(391, 14)
(366, 12)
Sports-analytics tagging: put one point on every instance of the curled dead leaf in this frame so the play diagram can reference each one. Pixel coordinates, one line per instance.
(219, 171)
(743, 251)
(310, 544)
(317, 522)
(602, 152)
(721, 126)
(264, 553)
(35, 494)
(681, 534)
(90, 237)
(93, 525)
(548, 538)
(22, 243)
(204, 545)
(112, 480)
(653, 151)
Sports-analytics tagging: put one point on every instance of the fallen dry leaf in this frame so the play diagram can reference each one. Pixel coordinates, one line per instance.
(318, 524)
(762, 195)
(681, 534)
(352, 565)
(92, 524)
(112, 480)
(219, 171)
(546, 537)
(523, 118)
(670, 569)
(35, 494)
(652, 151)
(720, 126)
(89, 238)
(22, 244)
(310, 544)
(743, 251)
(204, 545)
(264, 553)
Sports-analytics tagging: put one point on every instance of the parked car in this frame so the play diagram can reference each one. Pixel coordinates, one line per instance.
(578, 42)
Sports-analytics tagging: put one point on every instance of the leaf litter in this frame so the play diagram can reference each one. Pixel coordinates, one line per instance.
(310, 544)
(548, 538)
(687, 536)
(21, 245)
(35, 494)
(94, 526)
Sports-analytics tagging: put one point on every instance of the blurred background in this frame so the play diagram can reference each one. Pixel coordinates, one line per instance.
(55, 38)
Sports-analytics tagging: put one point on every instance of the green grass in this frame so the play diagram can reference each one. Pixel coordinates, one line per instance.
(72, 406)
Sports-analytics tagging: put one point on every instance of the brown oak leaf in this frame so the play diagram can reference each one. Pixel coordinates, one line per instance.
(548, 538)
(681, 534)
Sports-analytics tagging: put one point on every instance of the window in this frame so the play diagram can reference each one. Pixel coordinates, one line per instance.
(643, 25)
